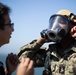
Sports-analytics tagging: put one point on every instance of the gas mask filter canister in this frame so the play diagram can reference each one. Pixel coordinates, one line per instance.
(58, 28)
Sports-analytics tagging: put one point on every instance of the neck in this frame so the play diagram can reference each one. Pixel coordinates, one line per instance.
(66, 42)
(1, 43)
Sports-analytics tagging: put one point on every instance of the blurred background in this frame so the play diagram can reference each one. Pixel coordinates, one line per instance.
(30, 18)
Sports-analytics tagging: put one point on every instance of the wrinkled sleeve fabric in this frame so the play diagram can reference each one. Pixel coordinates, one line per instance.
(34, 51)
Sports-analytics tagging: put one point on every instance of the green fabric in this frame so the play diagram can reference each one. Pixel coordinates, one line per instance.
(60, 65)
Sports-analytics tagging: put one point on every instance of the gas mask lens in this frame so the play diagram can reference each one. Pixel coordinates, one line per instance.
(58, 27)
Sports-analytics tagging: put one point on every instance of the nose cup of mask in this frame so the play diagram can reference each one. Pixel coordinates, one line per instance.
(61, 33)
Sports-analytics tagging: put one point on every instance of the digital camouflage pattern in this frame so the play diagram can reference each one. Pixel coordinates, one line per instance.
(34, 51)
(64, 64)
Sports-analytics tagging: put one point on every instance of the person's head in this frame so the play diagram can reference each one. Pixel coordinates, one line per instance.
(6, 27)
(60, 24)
(70, 17)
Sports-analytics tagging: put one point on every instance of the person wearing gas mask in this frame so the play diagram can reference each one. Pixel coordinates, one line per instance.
(60, 56)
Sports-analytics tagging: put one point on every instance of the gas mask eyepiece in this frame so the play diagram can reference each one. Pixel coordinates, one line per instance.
(58, 28)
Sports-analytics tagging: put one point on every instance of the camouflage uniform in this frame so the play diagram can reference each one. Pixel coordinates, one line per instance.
(64, 64)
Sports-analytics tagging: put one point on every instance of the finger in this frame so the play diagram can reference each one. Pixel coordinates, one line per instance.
(74, 35)
(22, 60)
(31, 64)
(74, 28)
(27, 62)
(15, 59)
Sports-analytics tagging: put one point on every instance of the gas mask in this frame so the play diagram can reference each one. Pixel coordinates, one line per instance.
(58, 28)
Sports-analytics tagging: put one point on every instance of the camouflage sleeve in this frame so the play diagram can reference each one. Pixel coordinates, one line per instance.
(34, 51)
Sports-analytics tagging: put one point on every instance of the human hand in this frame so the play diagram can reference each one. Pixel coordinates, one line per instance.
(73, 32)
(43, 40)
(11, 63)
(25, 67)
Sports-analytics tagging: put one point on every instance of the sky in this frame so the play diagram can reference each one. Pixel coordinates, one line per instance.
(30, 17)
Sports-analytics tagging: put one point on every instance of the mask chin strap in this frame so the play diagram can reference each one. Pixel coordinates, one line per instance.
(72, 17)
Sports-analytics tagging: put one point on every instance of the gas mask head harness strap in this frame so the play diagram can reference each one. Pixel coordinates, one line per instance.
(58, 25)
(69, 14)
(72, 18)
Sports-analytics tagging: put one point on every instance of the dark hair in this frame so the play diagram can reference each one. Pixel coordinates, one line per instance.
(4, 10)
